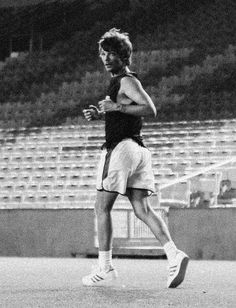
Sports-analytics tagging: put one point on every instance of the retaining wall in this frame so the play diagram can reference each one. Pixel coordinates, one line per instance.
(202, 233)
(205, 233)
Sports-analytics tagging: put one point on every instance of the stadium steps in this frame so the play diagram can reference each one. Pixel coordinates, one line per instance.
(49, 165)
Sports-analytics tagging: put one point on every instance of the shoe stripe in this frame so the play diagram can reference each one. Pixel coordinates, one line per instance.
(96, 278)
(172, 272)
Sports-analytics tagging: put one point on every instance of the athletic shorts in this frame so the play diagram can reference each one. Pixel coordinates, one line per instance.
(128, 165)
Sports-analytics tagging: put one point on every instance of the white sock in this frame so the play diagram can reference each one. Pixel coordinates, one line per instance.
(105, 259)
(170, 250)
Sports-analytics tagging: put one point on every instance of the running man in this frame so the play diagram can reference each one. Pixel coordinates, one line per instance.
(125, 166)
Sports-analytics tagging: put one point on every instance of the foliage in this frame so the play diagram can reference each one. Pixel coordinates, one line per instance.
(208, 26)
(209, 95)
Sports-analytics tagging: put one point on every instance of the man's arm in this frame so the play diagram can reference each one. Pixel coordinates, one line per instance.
(132, 89)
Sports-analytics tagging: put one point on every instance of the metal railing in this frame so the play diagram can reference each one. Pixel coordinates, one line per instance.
(197, 172)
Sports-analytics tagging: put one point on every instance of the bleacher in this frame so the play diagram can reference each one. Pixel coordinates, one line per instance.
(55, 167)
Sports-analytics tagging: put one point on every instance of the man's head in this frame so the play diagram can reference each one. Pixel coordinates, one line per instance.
(117, 43)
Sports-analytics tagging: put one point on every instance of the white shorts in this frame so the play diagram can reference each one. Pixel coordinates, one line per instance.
(128, 165)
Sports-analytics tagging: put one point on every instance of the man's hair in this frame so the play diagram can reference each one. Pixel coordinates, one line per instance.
(119, 42)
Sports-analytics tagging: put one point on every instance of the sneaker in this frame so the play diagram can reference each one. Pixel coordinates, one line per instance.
(99, 277)
(177, 270)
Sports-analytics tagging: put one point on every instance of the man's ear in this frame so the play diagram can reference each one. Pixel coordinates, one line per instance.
(126, 60)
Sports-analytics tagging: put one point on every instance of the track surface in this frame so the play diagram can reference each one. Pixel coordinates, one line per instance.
(39, 282)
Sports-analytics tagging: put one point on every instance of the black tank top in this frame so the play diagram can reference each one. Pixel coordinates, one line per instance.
(119, 126)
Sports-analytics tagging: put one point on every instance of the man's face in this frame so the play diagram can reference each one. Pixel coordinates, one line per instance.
(111, 61)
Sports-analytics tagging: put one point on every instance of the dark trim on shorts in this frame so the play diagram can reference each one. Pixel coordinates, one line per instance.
(150, 192)
(106, 164)
(111, 191)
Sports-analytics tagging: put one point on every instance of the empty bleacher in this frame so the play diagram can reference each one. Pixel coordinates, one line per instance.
(55, 167)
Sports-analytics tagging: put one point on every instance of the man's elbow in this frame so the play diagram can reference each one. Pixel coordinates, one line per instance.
(152, 111)
(149, 111)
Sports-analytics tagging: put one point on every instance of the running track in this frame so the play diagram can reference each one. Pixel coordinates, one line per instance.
(39, 282)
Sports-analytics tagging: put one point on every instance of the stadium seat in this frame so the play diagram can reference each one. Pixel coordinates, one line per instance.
(56, 166)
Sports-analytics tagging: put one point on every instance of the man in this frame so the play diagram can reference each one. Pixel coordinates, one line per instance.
(125, 166)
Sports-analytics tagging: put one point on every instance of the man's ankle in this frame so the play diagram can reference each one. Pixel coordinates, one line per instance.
(105, 259)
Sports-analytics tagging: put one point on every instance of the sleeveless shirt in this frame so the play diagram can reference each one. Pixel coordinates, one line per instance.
(119, 126)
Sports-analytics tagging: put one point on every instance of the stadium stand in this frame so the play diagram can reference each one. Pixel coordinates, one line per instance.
(56, 166)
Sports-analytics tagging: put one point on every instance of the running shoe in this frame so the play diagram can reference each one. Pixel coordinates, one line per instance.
(177, 270)
(99, 277)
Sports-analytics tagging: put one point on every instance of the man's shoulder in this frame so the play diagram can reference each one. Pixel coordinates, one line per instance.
(130, 77)
(130, 74)
(129, 80)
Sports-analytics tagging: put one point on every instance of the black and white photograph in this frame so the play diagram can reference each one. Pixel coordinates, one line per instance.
(117, 153)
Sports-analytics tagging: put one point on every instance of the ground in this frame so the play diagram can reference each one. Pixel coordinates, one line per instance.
(45, 282)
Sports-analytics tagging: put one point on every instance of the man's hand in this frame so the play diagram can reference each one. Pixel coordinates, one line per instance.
(107, 105)
(92, 113)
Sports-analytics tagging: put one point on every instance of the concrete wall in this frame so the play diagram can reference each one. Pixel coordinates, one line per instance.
(45, 232)
(205, 233)
(202, 233)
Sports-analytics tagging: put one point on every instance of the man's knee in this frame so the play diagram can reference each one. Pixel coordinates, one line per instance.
(102, 208)
(104, 202)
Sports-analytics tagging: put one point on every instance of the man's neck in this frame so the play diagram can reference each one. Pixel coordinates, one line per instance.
(120, 72)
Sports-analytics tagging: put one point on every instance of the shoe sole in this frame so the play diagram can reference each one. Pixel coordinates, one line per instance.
(180, 277)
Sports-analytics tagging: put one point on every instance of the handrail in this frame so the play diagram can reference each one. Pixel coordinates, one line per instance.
(193, 174)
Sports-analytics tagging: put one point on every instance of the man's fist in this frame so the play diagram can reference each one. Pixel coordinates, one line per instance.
(107, 105)
(92, 113)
